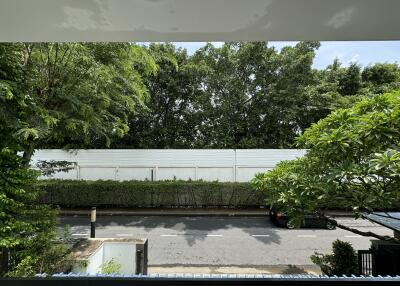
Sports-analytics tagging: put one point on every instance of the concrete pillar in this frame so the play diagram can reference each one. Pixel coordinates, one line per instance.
(141, 257)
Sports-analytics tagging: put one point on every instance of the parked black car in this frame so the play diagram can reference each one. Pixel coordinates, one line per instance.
(312, 221)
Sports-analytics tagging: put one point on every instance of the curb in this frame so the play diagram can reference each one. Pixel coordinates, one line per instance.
(192, 213)
(163, 213)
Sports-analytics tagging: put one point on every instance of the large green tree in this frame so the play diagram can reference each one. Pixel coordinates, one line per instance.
(58, 95)
(70, 94)
(244, 95)
(245, 88)
(241, 95)
(28, 240)
(168, 118)
(353, 162)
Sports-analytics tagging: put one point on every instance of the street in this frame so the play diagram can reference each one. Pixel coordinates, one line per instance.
(222, 241)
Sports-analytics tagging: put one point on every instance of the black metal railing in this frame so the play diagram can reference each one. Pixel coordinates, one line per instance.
(366, 262)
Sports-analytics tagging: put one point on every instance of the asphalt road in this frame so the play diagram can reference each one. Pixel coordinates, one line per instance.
(223, 241)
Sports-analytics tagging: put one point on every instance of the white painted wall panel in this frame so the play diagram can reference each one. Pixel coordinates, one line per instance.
(95, 262)
(54, 154)
(170, 173)
(123, 254)
(97, 173)
(70, 175)
(133, 173)
(266, 157)
(183, 164)
(245, 174)
(216, 174)
(142, 157)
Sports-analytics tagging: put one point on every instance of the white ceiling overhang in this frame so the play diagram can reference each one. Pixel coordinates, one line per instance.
(198, 20)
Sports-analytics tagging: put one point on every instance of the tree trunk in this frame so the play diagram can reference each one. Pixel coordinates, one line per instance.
(28, 153)
(3, 261)
(365, 233)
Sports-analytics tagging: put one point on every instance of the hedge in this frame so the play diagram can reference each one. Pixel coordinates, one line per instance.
(146, 194)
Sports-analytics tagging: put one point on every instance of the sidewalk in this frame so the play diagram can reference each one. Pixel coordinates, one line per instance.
(267, 269)
(182, 212)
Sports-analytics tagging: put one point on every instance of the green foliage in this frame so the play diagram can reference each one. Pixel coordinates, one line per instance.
(70, 94)
(353, 160)
(167, 118)
(241, 95)
(17, 208)
(343, 260)
(110, 267)
(350, 81)
(228, 97)
(41, 254)
(381, 74)
(26, 228)
(67, 193)
(244, 95)
(48, 168)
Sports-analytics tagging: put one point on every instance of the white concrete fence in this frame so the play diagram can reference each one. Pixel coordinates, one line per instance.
(224, 165)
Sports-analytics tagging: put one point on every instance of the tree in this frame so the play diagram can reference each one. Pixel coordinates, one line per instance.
(380, 78)
(353, 162)
(70, 95)
(60, 95)
(246, 87)
(242, 95)
(27, 231)
(350, 81)
(168, 119)
(379, 74)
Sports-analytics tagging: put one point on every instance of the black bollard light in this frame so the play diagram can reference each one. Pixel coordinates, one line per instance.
(93, 222)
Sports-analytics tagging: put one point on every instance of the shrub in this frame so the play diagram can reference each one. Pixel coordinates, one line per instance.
(343, 260)
(139, 194)
(111, 267)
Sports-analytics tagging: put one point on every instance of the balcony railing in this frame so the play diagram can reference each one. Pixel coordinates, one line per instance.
(199, 279)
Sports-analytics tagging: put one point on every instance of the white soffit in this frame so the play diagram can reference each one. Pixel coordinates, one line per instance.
(198, 20)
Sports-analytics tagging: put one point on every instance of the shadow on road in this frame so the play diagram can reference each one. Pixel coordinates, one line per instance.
(193, 229)
(293, 269)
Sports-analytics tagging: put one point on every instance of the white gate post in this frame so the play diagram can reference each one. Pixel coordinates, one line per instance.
(234, 167)
(78, 172)
(116, 173)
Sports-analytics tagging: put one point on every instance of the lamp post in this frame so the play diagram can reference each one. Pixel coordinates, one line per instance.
(93, 222)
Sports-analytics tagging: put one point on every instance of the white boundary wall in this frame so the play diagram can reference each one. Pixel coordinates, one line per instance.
(224, 165)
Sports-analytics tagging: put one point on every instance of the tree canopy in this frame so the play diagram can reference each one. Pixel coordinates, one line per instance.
(240, 95)
(70, 94)
(244, 95)
(353, 161)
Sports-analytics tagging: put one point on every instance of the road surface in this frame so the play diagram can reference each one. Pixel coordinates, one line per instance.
(223, 241)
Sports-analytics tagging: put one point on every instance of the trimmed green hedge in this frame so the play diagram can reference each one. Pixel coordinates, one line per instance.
(144, 194)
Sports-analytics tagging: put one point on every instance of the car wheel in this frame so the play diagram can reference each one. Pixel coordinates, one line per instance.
(290, 225)
(330, 225)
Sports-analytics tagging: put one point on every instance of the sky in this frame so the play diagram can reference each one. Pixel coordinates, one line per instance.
(363, 53)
